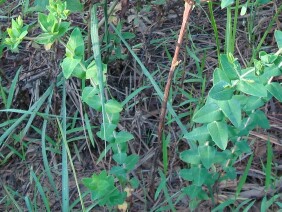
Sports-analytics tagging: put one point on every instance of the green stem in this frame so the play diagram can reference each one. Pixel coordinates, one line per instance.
(228, 33)
(235, 24)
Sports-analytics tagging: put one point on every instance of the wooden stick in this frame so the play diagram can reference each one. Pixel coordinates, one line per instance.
(188, 7)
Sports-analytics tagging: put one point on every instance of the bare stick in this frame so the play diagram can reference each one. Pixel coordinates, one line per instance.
(188, 7)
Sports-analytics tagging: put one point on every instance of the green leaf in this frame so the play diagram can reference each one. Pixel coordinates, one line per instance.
(112, 118)
(196, 174)
(220, 75)
(199, 176)
(107, 132)
(207, 154)
(79, 71)
(46, 22)
(120, 157)
(186, 174)
(128, 35)
(41, 4)
(75, 45)
(270, 71)
(198, 134)
(134, 182)
(63, 28)
(266, 58)
(228, 67)
(232, 110)
(221, 91)
(243, 147)
(103, 189)
(68, 65)
(278, 38)
(45, 38)
(113, 106)
(123, 137)
(263, 1)
(226, 3)
(90, 96)
(92, 72)
(259, 118)
(244, 9)
(74, 5)
(100, 183)
(219, 133)
(118, 171)
(275, 89)
(131, 162)
(190, 156)
(222, 157)
(253, 103)
(194, 192)
(252, 88)
(208, 113)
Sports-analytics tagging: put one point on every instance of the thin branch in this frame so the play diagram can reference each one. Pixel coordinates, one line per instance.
(188, 7)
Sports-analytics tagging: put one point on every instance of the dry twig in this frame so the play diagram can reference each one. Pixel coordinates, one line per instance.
(188, 7)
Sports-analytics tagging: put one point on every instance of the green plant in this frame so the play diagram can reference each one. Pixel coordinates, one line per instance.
(16, 34)
(231, 111)
(106, 188)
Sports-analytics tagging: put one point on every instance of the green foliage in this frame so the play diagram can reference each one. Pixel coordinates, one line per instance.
(16, 34)
(73, 62)
(230, 112)
(103, 189)
(115, 43)
(52, 25)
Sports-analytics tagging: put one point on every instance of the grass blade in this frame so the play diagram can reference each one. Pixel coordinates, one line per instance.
(66, 153)
(13, 88)
(28, 204)
(43, 148)
(268, 165)
(249, 206)
(41, 191)
(65, 173)
(244, 177)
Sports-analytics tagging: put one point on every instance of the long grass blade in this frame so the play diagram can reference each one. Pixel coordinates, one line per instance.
(214, 26)
(268, 165)
(65, 173)
(41, 191)
(13, 88)
(244, 176)
(28, 204)
(71, 164)
(43, 148)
